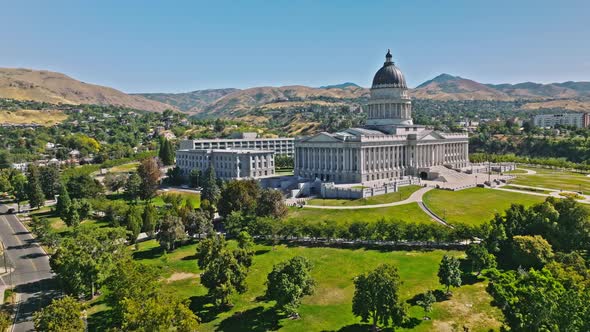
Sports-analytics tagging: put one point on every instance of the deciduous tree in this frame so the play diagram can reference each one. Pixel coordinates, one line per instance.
(289, 282)
(149, 172)
(63, 314)
(376, 297)
(449, 272)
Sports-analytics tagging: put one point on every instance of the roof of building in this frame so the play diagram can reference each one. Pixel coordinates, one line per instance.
(389, 76)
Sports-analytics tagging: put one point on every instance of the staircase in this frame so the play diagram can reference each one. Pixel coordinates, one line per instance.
(448, 175)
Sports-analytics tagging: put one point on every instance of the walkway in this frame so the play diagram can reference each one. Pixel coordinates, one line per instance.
(552, 192)
(528, 171)
(415, 197)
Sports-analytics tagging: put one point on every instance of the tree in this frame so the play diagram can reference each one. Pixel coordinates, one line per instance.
(289, 282)
(33, 187)
(194, 178)
(239, 195)
(426, 301)
(72, 218)
(5, 160)
(133, 222)
(84, 186)
(63, 203)
(85, 259)
(149, 219)
(376, 297)
(223, 274)
(159, 313)
(210, 191)
(480, 258)
(43, 230)
(531, 251)
(18, 183)
(5, 320)
(449, 272)
(50, 180)
(114, 181)
(133, 186)
(130, 280)
(271, 204)
(63, 314)
(197, 222)
(171, 231)
(166, 153)
(174, 176)
(149, 172)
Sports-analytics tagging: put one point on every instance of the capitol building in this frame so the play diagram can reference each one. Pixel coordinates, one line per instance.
(388, 147)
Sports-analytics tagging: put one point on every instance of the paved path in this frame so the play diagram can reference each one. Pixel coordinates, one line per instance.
(528, 171)
(415, 197)
(553, 192)
(32, 277)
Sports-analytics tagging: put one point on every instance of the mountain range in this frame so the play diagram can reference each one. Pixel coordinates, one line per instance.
(52, 87)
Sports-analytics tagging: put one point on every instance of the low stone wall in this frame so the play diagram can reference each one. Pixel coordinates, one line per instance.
(330, 190)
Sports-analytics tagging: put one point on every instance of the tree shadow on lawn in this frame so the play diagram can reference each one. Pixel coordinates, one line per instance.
(100, 321)
(151, 253)
(258, 319)
(367, 327)
(204, 308)
(467, 275)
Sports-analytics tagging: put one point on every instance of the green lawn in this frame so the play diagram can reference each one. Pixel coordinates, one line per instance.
(533, 190)
(130, 167)
(410, 212)
(554, 179)
(474, 206)
(516, 171)
(329, 309)
(194, 198)
(403, 193)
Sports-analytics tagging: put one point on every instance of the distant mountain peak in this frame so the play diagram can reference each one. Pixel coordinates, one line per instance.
(340, 86)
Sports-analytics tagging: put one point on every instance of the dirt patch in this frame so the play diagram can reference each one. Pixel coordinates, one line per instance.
(181, 276)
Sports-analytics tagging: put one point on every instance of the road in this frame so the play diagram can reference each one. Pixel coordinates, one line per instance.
(32, 277)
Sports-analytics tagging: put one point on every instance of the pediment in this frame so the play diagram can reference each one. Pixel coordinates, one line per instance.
(433, 135)
(322, 138)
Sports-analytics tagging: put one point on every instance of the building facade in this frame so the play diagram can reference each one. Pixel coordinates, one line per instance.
(280, 146)
(388, 147)
(228, 163)
(578, 120)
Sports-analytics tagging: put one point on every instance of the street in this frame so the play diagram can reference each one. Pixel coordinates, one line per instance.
(32, 277)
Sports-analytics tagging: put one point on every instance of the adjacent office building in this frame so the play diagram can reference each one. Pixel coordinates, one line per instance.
(228, 163)
(247, 141)
(578, 120)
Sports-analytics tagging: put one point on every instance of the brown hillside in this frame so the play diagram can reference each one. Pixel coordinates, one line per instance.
(245, 100)
(448, 87)
(52, 87)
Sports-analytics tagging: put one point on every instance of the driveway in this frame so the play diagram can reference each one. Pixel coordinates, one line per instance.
(32, 278)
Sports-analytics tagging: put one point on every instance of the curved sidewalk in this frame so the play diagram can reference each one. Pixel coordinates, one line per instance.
(415, 197)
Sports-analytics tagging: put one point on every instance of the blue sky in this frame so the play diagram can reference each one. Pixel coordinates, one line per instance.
(176, 46)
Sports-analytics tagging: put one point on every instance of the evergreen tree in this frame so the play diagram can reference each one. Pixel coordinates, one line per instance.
(211, 190)
(63, 202)
(166, 152)
(133, 222)
(133, 186)
(33, 187)
(149, 219)
(50, 181)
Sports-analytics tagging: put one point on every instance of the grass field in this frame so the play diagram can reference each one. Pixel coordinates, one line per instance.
(476, 205)
(329, 308)
(517, 171)
(554, 179)
(125, 168)
(403, 193)
(533, 190)
(410, 212)
(43, 118)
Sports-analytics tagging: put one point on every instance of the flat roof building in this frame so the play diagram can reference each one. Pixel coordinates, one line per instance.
(578, 120)
(280, 145)
(228, 163)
